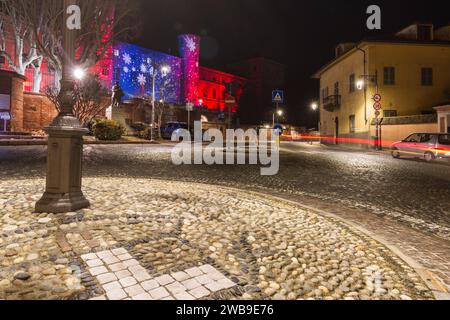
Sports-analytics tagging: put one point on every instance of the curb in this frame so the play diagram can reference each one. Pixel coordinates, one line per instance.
(45, 143)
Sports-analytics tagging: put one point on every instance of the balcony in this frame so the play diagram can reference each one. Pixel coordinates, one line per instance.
(332, 103)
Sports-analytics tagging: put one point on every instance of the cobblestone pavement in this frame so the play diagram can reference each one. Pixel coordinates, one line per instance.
(405, 202)
(153, 239)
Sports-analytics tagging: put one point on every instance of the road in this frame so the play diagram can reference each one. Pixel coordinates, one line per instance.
(410, 191)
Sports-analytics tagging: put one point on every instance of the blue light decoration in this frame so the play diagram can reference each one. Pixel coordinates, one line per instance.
(134, 67)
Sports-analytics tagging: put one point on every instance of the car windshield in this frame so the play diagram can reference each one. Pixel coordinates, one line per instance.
(444, 139)
(413, 138)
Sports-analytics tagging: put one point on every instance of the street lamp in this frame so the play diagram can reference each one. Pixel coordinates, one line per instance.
(278, 113)
(360, 84)
(65, 142)
(78, 73)
(315, 108)
(165, 70)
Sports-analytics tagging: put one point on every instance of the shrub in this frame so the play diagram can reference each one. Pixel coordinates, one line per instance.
(108, 130)
(144, 134)
(138, 126)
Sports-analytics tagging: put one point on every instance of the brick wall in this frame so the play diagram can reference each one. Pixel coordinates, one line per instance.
(38, 112)
(17, 103)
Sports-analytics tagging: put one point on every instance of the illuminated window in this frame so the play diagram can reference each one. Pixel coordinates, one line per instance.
(389, 76)
(427, 76)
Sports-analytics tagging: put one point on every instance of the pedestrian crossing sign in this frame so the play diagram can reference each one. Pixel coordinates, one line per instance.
(278, 96)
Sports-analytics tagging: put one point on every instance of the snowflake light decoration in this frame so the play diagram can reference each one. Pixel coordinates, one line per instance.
(126, 70)
(127, 58)
(141, 79)
(190, 43)
(143, 68)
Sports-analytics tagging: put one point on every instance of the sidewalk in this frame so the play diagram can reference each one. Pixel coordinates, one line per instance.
(87, 141)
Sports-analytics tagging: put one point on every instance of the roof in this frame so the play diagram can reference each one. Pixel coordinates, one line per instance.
(225, 74)
(390, 39)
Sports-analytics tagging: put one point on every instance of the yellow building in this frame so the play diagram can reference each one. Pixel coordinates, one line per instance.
(410, 70)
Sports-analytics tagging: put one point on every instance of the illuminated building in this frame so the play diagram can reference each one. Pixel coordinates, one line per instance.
(133, 67)
(408, 69)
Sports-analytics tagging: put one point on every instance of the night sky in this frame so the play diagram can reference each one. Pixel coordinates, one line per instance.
(301, 34)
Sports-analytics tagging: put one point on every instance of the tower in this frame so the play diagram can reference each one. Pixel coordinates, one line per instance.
(189, 47)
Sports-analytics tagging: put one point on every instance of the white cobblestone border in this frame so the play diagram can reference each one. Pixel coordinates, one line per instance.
(123, 278)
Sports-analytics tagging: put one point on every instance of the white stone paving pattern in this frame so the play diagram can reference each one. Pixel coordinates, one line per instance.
(123, 278)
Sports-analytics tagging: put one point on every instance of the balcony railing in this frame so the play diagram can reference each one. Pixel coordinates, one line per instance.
(332, 103)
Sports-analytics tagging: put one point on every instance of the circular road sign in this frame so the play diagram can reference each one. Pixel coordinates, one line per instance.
(377, 106)
(230, 100)
(377, 97)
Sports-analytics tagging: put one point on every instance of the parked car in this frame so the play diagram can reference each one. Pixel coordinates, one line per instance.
(169, 128)
(428, 146)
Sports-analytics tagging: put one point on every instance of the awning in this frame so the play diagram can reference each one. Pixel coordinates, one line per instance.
(5, 115)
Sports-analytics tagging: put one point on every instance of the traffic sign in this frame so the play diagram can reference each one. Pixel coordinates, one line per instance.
(278, 128)
(278, 96)
(377, 97)
(377, 106)
(190, 107)
(230, 100)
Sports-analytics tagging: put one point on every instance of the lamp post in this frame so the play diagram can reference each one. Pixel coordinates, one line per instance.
(278, 113)
(65, 142)
(164, 71)
(315, 108)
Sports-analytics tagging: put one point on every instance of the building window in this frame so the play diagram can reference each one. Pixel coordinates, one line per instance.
(205, 94)
(389, 76)
(214, 94)
(105, 70)
(2, 60)
(352, 123)
(324, 93)
(336, 89)
(427, 76)
(352, 83)
(117, 74)
(390, 113)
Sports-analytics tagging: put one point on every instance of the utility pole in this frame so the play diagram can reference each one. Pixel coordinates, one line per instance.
(65, 142)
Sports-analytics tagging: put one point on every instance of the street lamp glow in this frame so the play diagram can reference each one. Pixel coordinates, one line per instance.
(360, 84)
(78, 73)
(200, 102)
(314, 106)
(280, 112)
(165, 70)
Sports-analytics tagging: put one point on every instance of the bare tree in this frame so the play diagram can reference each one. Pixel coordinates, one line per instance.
(102, 23)
(91, 98)
(14, 21)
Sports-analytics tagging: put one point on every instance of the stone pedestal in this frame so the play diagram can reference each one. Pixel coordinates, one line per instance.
(64, 171)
